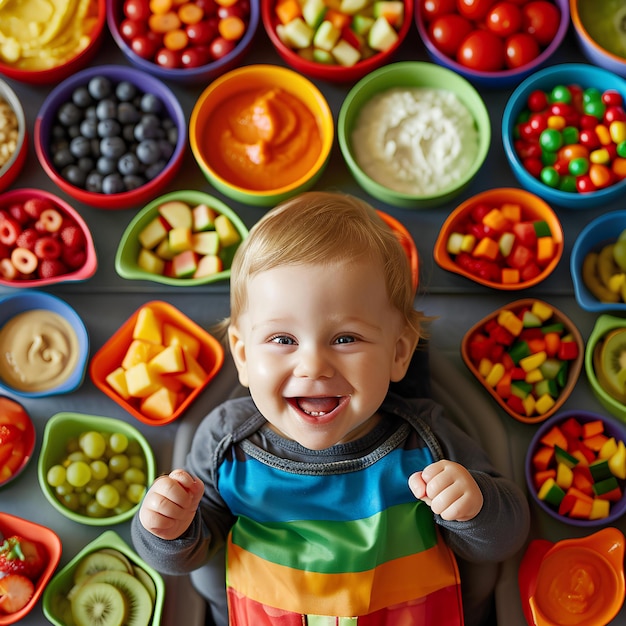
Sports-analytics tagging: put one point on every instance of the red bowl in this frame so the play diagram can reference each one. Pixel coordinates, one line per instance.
(13, 413)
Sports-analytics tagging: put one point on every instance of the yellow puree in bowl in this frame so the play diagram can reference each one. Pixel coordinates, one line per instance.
(262, 139)
(40, 34)
(38, 350)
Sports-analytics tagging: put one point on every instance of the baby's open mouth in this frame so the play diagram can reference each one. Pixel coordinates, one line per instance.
(318, 407)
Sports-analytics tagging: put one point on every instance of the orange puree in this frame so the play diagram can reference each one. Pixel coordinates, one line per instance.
(265, 138)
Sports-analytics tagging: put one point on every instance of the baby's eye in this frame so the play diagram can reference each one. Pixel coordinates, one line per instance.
(345, 339)
(283, 340)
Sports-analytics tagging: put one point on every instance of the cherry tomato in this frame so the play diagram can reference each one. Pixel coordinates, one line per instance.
(137, 9)
(144, 46)
(520, 49)
(434, 8)
(448, 31)
(195, 56)
(203, 32)
(504, 19)
(474, 9)
(208, 6)
(541, 19)
(132, 28)
(220, 47)
(481, 50)
(167, 58)
(235, 10)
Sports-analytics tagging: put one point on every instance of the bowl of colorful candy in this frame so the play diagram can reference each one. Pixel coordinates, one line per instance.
(503, 238)
(13, 136)
(492, 44)
(576, 468)
(94, 470)
(44, 43)
(336, 43)
(131, 139)
(17, 439)
(563, 132)
(528, 355)
(186, 42)
(601, 33)
(413, 134)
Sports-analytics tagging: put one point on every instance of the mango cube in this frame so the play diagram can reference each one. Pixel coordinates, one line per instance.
(141, 380)
(194, 374)
(140, 351)
(117, 380)
(172, 335)
(169, 360)
(159, 405)
(147, 326)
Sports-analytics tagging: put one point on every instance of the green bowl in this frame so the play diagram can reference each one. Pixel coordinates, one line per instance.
(128, 249)
(411, 74)
(604, 324)
(53, 602)
(62, 427)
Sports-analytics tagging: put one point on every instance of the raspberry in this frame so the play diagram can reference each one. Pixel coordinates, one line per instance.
(74, 257)
(18, 213)
(9, 231)
(73, 237)
(35, 206)
(49, 268)
(47, 248)
(27, 238)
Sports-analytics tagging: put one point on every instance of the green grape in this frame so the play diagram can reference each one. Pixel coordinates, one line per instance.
(84, 499)
(78, 473)
(133, 448)
(64, 489)
(118, 463)
(135, 493)
(134, 475)
(77, 455)
(70, 500)
(95, 509)
(137, 460)
(108, 496)
(93, 444)
(124, 505)
(93, 485)
(72, 445)
(120, 485)
(118, 442)
(56, 475)
(99, 469)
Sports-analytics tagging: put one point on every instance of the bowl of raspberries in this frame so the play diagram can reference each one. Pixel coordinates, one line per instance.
(43, 240)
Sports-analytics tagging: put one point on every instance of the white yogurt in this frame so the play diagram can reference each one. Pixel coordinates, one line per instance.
(417, 141)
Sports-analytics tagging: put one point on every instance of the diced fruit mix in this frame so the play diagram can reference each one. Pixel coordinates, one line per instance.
(39, 240)
(504, 244)
(524, 355)
(15, 436)
(339, 32)
(579, 470)
(187, 242)
(161, 367)
(102, 474)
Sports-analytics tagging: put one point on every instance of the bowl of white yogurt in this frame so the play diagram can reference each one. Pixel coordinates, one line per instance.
(413, 134)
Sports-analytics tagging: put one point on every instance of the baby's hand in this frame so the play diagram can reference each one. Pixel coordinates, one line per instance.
(449, 489)
(170, 504)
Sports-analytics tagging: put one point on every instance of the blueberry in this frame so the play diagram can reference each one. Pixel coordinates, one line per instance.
(166, 148)
(57, 132)
(148, 151)
(105, 165)
(132, 182)
(172, 135)
(90, 113)
(152, 171)
(113, 183)
(106, 109)
(112, 147)
(93, 182)
(100, 87)
(128, 113)
(69, 114)
(62, 158)
(125, 91)
(74, 175)
(87, 164)
(81, 97)
(109, 128)
(80, 147)
(128, 133)
(95, 147)
(73, 131)
(151, 103)
(129, 164)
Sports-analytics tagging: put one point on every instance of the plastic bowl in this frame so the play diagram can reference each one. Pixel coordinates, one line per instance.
(601, 231)
(411, 74)
(81, 55)
(496, 79)
(63, 427)
(61, 94)
(55, 603)
(45, 384)
(533, 209)
(111, 355)
(404, 236)
(261, 79)
(485, 340)
(591, 26)
(15, 456)
(78, 263)
(202, 73)
(533, 464)
(13, 165)
(586, 76)
(127, 256)
(336, 73)
(12, 525)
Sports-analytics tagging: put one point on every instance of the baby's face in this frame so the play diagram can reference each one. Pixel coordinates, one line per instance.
(318, 346)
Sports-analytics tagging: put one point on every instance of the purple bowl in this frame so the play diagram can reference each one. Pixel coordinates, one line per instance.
(146, 83)
(203, 73)
(612, 428)
(496, 80)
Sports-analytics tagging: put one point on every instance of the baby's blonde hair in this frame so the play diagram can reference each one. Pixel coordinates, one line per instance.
(322, 228)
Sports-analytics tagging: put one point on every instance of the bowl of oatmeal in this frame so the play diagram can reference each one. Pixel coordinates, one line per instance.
(413, 134)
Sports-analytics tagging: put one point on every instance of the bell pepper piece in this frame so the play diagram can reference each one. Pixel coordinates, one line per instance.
(554, 437)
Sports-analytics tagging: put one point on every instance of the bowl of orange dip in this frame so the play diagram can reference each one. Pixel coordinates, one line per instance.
(261, 133)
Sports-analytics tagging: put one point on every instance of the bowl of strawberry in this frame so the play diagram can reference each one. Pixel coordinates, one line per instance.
(492, 43)
(43, 240)
(504, 238)
(17, 439)
(29, 555)
(184, 41)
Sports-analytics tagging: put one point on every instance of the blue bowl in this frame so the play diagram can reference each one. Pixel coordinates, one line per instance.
(568, 73)
(591, 238)
(495, 80)
(28, 300)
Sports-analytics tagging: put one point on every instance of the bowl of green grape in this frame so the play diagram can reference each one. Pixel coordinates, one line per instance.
(94, 470)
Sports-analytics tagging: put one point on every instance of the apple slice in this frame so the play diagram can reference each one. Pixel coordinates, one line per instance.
(227, 232)
(150, 262)
(185, 264)
(208, 265)
(206, 242)
(177, 214)
(203, 218)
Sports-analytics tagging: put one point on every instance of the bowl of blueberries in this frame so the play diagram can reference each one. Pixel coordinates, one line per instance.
(111, 136)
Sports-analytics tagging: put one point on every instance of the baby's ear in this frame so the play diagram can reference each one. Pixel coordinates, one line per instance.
(238, 352)
(405, 346)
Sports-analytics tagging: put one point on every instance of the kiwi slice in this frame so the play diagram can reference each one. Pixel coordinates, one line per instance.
(146, 581)
(120, 555)
(99, 604)
(97, 561)
(610, 364)
(138, 602)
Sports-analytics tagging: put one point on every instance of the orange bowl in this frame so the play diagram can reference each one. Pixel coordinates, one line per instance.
(533, 209)
(11, 466)
(210, 358)
(407, 242)
(12, 525)
(485, 342)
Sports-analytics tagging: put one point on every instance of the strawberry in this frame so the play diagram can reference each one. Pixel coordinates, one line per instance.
(21, 556)
(15, 593)
(9, 433)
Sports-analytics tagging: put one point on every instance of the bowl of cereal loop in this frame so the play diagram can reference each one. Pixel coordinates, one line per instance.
(413, 134)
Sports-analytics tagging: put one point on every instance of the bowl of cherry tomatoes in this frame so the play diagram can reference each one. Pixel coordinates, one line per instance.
(184, 41)
(489, 42)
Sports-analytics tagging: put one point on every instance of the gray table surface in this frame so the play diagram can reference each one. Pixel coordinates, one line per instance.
(106, 300)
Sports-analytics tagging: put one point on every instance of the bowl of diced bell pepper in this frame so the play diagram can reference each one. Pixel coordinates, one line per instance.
(576, 468)
(528, 355)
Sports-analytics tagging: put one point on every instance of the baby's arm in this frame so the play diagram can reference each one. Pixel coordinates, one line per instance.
(170, 505)
(449, 489)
